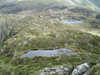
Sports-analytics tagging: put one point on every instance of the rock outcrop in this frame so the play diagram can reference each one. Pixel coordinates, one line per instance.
(82, 69)
(57, 70)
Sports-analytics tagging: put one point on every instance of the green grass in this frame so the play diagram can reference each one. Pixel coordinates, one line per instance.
(33, 32)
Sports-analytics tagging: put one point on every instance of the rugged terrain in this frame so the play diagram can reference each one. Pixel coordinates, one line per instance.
(16, 6)
(48, 25)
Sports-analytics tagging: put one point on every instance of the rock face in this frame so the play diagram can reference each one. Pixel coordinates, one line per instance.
(83, 69)
(98, 16)
(5, 31)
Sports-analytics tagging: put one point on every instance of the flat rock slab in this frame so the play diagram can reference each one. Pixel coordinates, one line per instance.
(48, 53)
(59, 70)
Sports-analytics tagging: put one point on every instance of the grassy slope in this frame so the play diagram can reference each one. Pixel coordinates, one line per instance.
(33, 32)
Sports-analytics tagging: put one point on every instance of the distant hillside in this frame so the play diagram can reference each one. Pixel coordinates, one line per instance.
(14, 6)
(97, 2)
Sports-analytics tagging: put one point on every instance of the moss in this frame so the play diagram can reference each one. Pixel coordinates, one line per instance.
(32, 66)
(96, 70)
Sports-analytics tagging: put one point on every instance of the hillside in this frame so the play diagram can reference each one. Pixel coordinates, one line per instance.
(49, 37)
(96, 2)
(15, 6)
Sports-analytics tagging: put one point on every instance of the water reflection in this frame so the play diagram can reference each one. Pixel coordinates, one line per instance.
(49, 53)
(71, 21)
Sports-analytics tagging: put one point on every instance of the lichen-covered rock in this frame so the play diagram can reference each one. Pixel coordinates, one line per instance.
(83, 69)
(57, 70)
